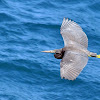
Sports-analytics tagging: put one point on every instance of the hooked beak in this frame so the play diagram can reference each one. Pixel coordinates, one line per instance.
(50, 51)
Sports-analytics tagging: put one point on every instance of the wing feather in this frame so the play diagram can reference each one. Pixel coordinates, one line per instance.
(72, 32)
(72, 64)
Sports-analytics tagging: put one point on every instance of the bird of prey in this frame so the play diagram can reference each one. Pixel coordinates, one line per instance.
(75, 54)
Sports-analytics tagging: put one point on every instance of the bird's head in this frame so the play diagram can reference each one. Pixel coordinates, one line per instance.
(58, 53)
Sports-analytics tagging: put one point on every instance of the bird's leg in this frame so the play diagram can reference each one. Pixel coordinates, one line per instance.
(94, 55)
(98, 56)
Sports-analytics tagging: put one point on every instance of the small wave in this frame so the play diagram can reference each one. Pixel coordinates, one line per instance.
(7, 97)
(95, 7)
(6, 17)
(47, 4)
(39, 25)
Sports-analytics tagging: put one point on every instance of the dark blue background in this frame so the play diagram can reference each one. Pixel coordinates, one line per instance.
(30, 26)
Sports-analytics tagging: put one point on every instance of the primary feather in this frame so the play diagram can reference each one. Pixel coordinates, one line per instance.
(72, 64)
(73, 33)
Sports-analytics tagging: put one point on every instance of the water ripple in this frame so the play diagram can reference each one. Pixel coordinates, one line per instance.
(28, 27)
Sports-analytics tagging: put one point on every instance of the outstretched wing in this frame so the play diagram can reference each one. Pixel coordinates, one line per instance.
(73, 33)
(72, 64)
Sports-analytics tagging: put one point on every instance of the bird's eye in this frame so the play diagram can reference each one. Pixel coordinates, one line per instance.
(57, 53)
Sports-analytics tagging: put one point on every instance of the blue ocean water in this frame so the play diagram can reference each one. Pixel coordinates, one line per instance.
(30, 26)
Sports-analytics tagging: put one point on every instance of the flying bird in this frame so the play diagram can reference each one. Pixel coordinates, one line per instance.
(74, 55)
